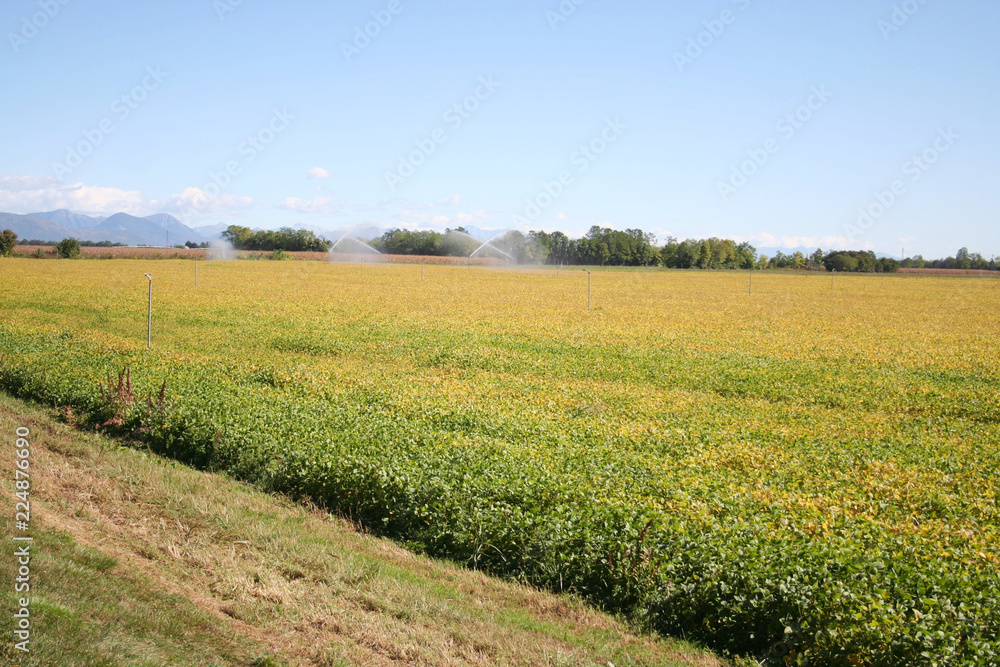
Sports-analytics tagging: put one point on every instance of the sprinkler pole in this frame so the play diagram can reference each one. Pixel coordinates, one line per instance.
(149, 315)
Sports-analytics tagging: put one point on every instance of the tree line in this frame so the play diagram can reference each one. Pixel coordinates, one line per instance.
(603, 246)
(286, 238)
(600, 246)
(963, 259)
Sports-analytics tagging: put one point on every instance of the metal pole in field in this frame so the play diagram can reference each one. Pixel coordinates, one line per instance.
(421, 270)
(589, 292)
(149, 314)
(196, 273)
(750, 290)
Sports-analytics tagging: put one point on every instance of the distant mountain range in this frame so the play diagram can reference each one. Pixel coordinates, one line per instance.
(156, 230)
(160, 229)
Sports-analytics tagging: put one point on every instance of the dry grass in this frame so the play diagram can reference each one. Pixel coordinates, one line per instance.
(93, 252)
(952, 272)
(294, 582)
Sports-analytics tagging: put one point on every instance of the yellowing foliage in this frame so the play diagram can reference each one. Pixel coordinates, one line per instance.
(805, 473)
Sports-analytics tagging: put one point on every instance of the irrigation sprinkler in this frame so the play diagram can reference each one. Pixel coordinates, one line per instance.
(490, 244)
(149, 314)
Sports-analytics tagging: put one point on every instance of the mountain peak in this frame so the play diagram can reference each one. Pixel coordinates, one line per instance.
(157, 229)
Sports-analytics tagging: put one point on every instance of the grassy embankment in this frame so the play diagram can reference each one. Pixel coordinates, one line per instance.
(138, 560)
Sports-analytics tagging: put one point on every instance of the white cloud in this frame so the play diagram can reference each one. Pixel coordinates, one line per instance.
(562, 216)
(194, 202)
(417, 219)
(478, 217)
(417, 216)
(317, 205)
(33, 194)
(317, 173)
(454, 200)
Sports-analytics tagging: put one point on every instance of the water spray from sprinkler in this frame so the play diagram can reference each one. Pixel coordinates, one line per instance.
(490, 244)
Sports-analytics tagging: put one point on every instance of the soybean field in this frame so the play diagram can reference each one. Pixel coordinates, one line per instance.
(804, 472)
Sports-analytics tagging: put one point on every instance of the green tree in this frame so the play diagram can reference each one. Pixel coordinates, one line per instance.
(746, 256)
(603, 253)
(688, 254)
(705, 255)
(668, 253)
(237, 236)
(8, 240)
(459, 244)
(68, 248)
(889, 265)
(962, 260)
(781, 261)
(562, 249)
(841, 262)
(286, 238)
(406, 242)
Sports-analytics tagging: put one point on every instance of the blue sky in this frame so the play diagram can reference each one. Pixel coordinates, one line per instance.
(643, 126)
